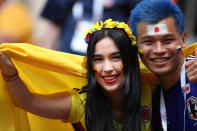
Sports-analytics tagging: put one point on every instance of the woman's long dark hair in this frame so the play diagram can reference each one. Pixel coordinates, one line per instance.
(98, 113)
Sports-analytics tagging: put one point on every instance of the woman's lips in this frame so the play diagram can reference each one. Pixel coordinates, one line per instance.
(110, 79)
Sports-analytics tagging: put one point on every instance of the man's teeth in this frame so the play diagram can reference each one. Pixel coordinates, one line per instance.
(159, 60)
(109, 78)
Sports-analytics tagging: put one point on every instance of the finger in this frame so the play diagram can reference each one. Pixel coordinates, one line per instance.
(192, 75)
(191, 62)
(6, 65)
(188, 70)
(191, 70)
(191, 65)
(192, 78)
(1, 55)
(5, 60)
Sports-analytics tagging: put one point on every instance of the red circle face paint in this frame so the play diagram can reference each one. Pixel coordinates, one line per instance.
(156, 29)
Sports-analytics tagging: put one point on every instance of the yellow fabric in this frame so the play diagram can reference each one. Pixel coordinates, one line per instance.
(190, 50)
(15, 21)
(44, 71)
(47, 71)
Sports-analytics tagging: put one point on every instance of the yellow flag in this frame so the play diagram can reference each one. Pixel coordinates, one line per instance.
(46, 71)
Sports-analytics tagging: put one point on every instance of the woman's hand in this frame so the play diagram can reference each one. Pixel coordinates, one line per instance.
(55, 106)
(7, 66)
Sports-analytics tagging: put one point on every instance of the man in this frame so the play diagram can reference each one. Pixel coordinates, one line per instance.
(160, 30)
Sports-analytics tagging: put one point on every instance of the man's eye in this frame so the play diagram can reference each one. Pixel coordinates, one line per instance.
(147, 42)
(168, 41)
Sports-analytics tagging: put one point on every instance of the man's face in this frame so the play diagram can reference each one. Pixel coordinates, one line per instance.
(159, 43)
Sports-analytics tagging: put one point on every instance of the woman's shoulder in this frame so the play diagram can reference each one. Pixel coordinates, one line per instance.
(79, 93)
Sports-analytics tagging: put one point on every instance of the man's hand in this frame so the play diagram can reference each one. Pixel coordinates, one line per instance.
(191, 69)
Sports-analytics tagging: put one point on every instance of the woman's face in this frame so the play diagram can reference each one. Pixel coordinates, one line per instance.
(107, 64)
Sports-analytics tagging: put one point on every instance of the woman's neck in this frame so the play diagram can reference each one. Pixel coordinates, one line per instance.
(118, 112)
(117, 105)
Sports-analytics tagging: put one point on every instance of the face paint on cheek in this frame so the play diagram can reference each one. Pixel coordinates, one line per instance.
(179, 49)
(141, 53)
(121, 66)
(157, 29)
(95, 70)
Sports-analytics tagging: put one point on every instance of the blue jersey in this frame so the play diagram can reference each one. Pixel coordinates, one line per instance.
(175, 106)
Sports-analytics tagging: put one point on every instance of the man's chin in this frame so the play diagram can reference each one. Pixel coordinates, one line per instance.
(159, 72)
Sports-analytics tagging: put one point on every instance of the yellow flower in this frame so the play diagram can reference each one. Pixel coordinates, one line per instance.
(112, 24)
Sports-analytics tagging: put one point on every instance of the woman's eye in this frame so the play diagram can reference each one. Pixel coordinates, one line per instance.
(97, 59)
(116, 57)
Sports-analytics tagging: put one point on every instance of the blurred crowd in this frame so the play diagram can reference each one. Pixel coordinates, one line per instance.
(60, 24)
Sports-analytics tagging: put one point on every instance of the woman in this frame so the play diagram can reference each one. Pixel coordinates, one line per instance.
(112, 96)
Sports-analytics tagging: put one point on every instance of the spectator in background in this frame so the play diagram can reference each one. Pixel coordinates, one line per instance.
(62, 22)
(15, 22)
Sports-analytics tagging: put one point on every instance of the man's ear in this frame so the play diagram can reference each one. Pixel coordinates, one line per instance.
(183, 40)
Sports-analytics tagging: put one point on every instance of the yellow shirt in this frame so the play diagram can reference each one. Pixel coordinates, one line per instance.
(77, 114)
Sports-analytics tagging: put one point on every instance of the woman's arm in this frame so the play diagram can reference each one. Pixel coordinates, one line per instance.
(55, 106)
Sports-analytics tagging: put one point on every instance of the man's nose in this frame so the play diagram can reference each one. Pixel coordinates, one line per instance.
(159, 47)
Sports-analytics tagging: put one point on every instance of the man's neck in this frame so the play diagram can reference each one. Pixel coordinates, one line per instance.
(169, 80)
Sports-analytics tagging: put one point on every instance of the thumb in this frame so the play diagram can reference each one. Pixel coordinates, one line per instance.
(6, 65)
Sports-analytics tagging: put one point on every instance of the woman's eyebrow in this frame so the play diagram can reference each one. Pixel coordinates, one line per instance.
(115, 53)
(97, 55)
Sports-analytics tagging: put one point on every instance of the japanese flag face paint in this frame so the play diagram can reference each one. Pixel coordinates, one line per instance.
(157, 29)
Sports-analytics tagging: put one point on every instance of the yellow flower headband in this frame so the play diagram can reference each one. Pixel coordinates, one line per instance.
(113, 25)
